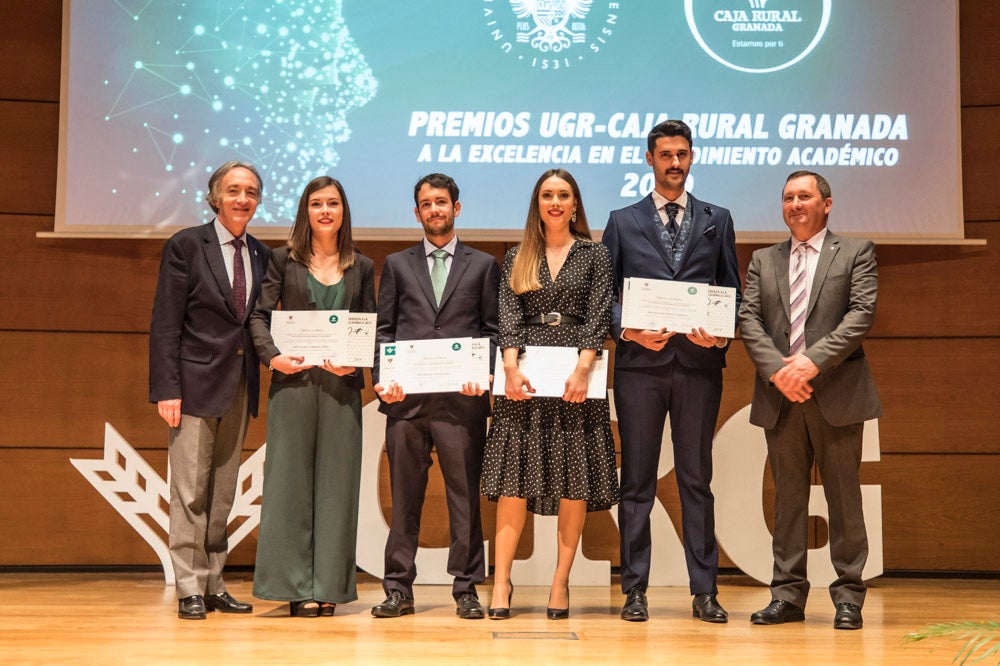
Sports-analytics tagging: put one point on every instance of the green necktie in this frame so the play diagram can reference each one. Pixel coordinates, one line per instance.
(439, 274)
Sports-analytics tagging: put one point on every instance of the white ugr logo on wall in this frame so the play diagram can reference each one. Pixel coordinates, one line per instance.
(140, 495)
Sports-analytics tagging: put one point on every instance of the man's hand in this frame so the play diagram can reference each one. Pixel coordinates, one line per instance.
(650, 339)
(170, 411)
(473, 388)
(793, 379)
(702, 338)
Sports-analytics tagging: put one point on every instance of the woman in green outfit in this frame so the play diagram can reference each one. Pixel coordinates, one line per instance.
(312, 469)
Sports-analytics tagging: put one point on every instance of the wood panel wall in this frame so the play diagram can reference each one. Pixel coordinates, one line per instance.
(75, 321)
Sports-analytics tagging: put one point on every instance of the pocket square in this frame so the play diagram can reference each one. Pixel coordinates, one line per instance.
(709, 232)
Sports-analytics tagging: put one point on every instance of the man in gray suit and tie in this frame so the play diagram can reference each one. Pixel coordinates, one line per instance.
(204, 378)
(438, 288)
(809, 302)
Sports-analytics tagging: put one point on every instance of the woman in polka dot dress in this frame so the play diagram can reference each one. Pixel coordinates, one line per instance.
(550, 455)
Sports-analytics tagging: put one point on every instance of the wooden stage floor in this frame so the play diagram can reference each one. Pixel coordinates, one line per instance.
(126, 618)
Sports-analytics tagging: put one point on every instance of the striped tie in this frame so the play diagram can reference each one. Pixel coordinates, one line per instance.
(799, 299)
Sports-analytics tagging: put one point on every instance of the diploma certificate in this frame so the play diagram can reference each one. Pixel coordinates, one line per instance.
(339, 336)
(679, 306)
(548, 368)
(435, 366)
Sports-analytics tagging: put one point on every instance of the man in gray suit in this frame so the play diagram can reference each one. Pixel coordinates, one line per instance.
(204, 379)
(438, 288)
(808, 304)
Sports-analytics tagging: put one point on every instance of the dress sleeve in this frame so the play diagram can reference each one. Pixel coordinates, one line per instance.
(511, 308)
(594, 330)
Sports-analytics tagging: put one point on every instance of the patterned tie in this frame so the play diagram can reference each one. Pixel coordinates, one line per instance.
(672, 208)
(239, 279)
(439, 274)
(799, 299)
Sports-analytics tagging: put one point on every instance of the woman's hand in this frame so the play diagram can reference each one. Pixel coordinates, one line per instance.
(289, 365)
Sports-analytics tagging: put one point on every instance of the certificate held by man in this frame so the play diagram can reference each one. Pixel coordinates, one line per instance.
(548, 368)
(678, 306)
(435, 366)
(339, 336)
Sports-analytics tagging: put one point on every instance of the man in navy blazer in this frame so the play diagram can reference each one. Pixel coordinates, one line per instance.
(452, 423)
(669, 235)
(204, 379)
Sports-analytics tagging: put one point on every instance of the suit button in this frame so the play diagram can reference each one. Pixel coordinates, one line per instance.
(239, 352)
(437, 328)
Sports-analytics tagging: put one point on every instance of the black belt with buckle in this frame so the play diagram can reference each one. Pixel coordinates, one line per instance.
(552, 319)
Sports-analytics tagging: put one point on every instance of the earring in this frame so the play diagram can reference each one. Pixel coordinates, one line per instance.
(573, 217)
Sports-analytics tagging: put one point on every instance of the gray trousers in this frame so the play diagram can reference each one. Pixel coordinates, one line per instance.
(801, 436)
(204, 455)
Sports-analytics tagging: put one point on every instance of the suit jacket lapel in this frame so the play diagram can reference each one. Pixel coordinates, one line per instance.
(779, 259)
(459, 264)
(418, 263)
(699, 222)
(648, 220)
(297, 279)
(258, 268)
(831, 245)
(350, 286)
(213, 256)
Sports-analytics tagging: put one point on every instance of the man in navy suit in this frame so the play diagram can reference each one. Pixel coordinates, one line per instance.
(410, 307)
(669, 235)
(204, 379)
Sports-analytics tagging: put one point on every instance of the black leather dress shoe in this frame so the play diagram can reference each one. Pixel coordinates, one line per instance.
(224, 603)
(191, 608)
(706, 608)
(636, 609)
(394, 605)
(848, 616)
(778, 612)
(467, 607)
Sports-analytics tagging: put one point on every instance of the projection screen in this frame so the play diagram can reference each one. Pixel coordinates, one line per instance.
(377, 93)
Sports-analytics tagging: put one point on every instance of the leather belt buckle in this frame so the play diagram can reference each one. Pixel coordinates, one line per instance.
(552, 318)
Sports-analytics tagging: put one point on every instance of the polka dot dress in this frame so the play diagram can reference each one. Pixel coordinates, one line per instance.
(545, 449)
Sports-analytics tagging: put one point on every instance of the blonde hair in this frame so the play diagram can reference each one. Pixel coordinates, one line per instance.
(528, 261)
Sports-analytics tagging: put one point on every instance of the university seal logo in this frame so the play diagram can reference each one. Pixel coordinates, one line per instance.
(758, 36)
(550, 34)
(551, 30)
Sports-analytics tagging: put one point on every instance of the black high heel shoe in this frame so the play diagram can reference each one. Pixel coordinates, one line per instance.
(559, 613)
(503, 613)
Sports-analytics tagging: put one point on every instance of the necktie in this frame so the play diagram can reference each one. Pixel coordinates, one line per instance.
(239, 279)
(672, 209)
(799, 300)
(439, 274)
